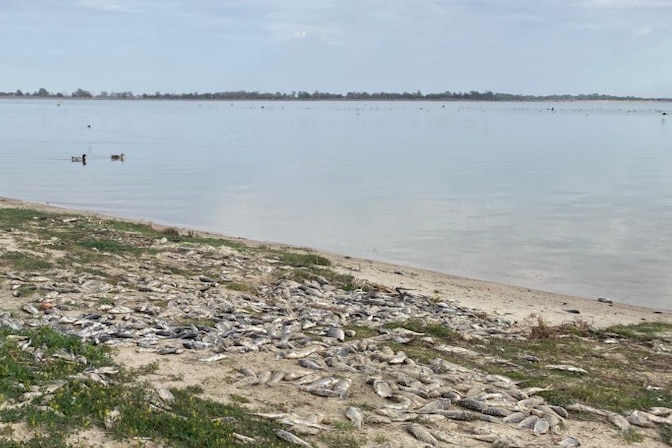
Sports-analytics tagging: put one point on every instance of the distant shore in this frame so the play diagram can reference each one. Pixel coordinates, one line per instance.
(512, 303)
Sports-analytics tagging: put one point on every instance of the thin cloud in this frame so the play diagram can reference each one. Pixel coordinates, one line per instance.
(104, 5)
(296, 31)
(630, 3)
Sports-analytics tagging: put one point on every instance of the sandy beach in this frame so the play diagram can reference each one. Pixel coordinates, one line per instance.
(379, 376)
(511, 302)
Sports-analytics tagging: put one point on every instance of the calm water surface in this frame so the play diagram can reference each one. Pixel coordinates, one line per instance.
(575, 199)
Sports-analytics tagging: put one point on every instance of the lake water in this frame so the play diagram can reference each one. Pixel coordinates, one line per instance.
(567, 197)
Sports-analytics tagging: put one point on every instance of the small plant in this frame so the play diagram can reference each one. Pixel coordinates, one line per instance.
(239, 398)
(171, 231)
(542, 330)
(241, 287)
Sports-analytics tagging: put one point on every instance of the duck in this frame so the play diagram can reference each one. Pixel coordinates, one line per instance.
(121, 156)
(81, 158)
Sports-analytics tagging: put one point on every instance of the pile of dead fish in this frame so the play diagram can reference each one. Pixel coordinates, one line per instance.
(312, 326)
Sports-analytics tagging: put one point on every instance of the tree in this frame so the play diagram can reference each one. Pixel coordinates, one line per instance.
(81, 93)
(42, 92)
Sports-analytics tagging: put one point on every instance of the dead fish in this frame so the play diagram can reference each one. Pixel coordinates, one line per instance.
(322, 392)
(355, 416)
(30, 309)
(342, 386)
(638, 419)
(271, 415)
(382, 389)
(578, 407)
(399, 358)
(291, 438)
(472, 404)
(310, 364)
(420, 433)
(165, 395)
(619, 421)
(567, 368)
(436, 405)
(263, 376)
(660, 411)
(242, 438)
(569, 442)
(301, 353)
(460, 415)
(516, 417)
(305, 379)
(552, 418)
(541, 427)
(528, 422)
(562, 412)
(275, 378)
(529, 403)
(295, 421)
(213, 358)
(336, 333)
(495, 411)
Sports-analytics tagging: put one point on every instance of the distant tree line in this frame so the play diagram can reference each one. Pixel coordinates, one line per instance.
(304, 96)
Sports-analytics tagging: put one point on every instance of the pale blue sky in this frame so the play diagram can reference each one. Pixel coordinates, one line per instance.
(621, 47)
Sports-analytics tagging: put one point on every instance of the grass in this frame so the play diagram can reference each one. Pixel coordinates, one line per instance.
(23, 262)
(434, 329)
(77, 402)
(241, 287)
(618, 375)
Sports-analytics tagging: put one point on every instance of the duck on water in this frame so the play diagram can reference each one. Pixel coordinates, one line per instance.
(80, 159)
(121, 156)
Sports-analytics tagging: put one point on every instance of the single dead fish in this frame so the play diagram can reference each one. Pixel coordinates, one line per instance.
(355, 416)
(213, 358)
(242, 438)
(291, 438)
(619, 421)
(420, 433)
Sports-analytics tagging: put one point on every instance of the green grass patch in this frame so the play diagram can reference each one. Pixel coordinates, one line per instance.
(241, 287)
(642, 332)
(300, 260)
(23, 262)
(362, 332)
(665, 432)
(345, 282)
(341, 440)
(17, 217)
(77, 401)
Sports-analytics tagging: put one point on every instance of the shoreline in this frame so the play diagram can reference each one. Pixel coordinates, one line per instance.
(509, 302)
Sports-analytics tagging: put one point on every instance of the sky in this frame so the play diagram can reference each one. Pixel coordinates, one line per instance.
(538, 47)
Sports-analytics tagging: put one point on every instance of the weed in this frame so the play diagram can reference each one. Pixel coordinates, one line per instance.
(342, 440)
(665, 432)
(300, 260)
(241, 287)
(238, 398)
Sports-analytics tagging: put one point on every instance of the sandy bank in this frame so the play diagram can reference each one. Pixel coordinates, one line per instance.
(510, 302)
